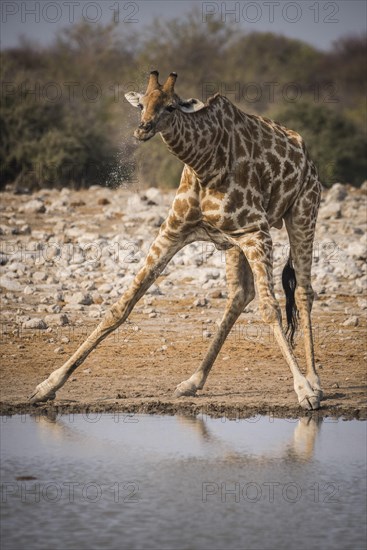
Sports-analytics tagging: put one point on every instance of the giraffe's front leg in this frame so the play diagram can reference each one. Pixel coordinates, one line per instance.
(258, 249)
(240, 283)
(162, 250)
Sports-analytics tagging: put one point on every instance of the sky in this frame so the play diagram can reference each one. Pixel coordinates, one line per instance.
(317, 22)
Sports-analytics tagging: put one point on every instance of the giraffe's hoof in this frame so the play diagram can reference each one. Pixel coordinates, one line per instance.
(42, 393)
(319, 393)
(310, 402)
(185, 388)
(314, 382)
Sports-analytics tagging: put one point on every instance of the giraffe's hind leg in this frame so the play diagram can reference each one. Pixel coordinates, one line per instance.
(258, 249)
(300, 224)
(240, 283)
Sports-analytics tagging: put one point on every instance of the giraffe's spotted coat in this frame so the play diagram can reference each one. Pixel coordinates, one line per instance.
(242, 175)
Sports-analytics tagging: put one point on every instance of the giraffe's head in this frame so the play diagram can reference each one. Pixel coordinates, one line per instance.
(158, 105)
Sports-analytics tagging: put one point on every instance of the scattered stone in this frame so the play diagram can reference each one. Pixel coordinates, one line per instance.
(97, 298)
(153, 196)
(3, 258)
(362, 303)
(59, 319)
(59, 350)
(87, 371)
(337, 192)
(9, 284)
(155, 291)
(201, 302)
(35, 323)
(34, 206)
(39, 276)
(358, 250)
(94, 313)
(24, 230)
(105, 288)
(83, 298)
(103, 201)
(18, 267)
(216, 294)
(352, 321)
(331, 210)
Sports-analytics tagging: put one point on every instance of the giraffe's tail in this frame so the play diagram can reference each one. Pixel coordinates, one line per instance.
(289, 283)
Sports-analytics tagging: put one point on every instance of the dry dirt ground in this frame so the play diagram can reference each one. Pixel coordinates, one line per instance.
(137, 368)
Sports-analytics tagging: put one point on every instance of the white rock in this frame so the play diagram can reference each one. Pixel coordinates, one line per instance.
(59, 319)
(35, 206)
(35, 323)
(24, 230)
(155, 290)
(201, 302)
(134, 204)
(28, 290)
(337, 192)
(83, 298)
(94, 312)
(10, 284)
(39, 276)
(105, 288)
(357, 250)
(17, 266)
(154, 195)
(352, 321)
(330, 211)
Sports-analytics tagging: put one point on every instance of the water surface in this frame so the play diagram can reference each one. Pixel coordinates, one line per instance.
(158, 482)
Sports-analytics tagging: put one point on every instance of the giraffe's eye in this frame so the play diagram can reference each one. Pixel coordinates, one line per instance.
(140, 106)
(170, 108)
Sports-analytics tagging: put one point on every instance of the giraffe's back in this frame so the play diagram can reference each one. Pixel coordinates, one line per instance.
(267, 168)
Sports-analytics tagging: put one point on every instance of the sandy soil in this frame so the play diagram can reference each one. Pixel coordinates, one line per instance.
(138, 368)
(132, 371)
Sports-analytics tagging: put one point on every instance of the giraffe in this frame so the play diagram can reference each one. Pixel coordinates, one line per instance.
(242, 175)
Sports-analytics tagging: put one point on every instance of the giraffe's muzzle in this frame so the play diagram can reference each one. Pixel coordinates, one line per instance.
(145, 131)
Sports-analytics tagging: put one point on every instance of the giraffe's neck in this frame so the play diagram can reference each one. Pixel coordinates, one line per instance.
(194, 138)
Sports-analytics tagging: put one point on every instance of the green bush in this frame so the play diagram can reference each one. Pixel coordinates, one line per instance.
(77, 141)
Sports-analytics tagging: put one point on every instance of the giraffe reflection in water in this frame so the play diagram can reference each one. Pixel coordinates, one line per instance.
(298, 448)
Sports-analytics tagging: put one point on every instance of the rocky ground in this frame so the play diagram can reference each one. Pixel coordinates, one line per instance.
(66, 256)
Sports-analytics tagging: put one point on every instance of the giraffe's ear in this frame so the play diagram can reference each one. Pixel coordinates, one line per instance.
(190, 105)
(133, 98)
